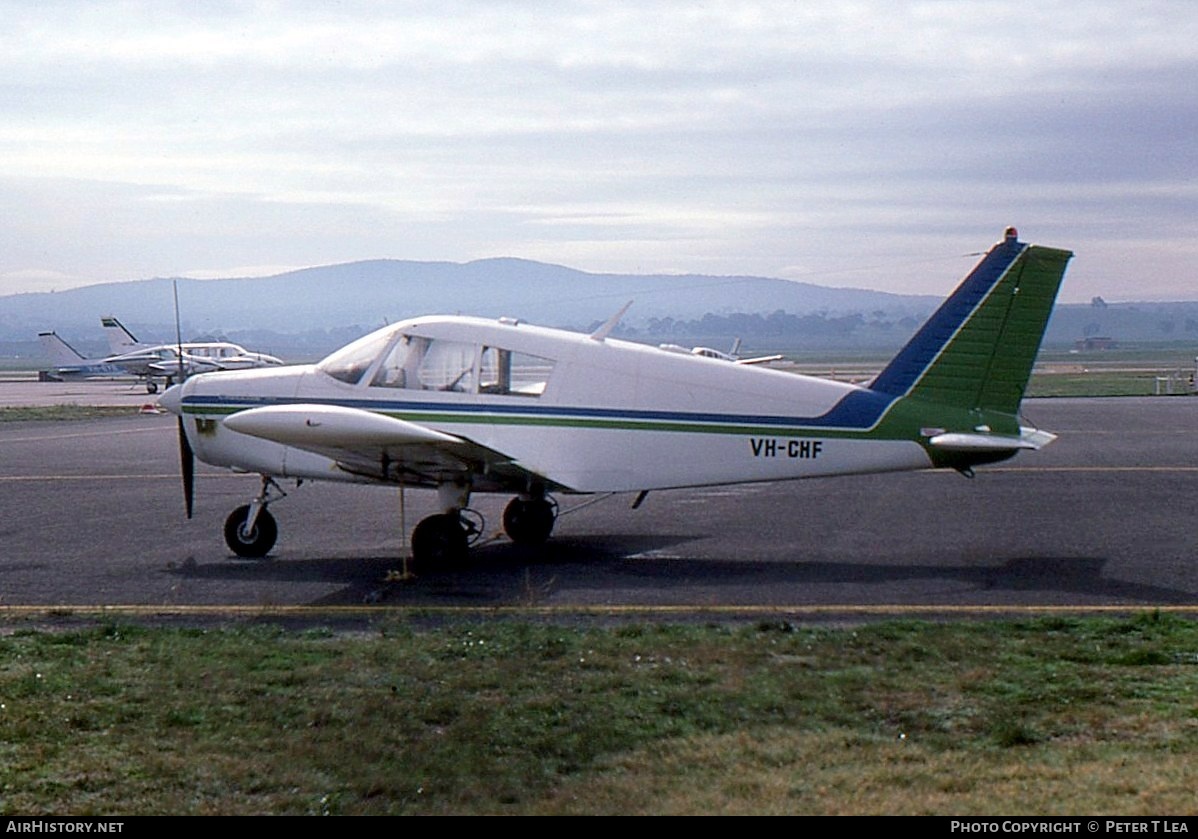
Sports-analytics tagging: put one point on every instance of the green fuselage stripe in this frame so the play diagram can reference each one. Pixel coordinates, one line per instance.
(525, 421)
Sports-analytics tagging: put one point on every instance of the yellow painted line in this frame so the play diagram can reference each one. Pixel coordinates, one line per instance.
(987, 469)
(174, 476)
(67, 610)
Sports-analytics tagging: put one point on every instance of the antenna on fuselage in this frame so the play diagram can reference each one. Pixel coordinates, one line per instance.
(602, 332)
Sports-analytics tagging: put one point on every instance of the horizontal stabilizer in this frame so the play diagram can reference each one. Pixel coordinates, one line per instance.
(981, 442)
(321, 426)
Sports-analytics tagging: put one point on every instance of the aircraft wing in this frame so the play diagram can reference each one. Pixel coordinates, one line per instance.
(135, 367)
(378, 446)
(761, 359)
(191, 366)
(138, 363)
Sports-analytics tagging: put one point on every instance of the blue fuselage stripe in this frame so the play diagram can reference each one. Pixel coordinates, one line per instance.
(859, 410)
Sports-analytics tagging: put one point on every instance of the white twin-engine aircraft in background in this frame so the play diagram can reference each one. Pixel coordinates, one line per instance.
(463, 405)
(171, 362)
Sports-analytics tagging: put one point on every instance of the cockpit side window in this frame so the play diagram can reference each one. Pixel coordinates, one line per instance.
(401, 367)
(447, 365)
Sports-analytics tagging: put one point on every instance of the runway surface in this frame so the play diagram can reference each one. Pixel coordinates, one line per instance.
(91, 513)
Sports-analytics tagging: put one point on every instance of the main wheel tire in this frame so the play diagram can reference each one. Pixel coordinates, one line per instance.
(529, 522)
(256, 543)
(439, 539)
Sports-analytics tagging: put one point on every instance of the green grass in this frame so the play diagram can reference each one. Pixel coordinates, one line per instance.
(1030, 717)
(65, 412)
(1099, 383)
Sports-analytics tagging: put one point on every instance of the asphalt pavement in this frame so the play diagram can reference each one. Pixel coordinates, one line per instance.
(91, 515)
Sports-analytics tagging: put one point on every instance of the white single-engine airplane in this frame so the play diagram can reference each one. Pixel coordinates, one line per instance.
(176, 361)
(732, 355)
(464, 404)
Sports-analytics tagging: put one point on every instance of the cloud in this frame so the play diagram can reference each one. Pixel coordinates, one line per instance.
(719, 137)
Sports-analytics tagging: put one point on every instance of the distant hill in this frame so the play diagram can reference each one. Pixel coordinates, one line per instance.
(303, 314)
(368, 293)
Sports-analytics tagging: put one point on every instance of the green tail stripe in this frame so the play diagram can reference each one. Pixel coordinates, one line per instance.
(976, 351)
(987, 363)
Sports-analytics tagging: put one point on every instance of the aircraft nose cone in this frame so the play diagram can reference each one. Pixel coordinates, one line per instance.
(172, 400)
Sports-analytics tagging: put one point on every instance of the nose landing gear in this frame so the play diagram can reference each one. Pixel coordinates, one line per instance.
(250, 530)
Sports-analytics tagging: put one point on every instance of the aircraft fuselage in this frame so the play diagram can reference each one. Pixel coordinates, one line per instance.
(604, 415)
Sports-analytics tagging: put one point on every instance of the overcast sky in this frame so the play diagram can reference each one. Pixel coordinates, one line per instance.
(870, 144)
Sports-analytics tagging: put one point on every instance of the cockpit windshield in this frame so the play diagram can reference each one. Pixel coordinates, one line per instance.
(350, 362)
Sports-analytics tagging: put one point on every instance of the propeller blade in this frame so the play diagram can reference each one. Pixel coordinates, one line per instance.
(179, 343)
(187, 464)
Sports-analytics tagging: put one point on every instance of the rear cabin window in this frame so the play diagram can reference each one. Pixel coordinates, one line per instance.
(513, 373)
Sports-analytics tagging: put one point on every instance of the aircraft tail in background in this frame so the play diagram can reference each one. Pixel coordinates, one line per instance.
(120, 339)
(69, 363)
(60, 353)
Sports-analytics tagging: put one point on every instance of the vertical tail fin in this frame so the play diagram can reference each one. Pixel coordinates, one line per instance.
(120, 339)
(60, 352)
(976, 352)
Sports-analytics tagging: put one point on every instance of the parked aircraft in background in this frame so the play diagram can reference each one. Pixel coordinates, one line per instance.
(171, 362)
(732, 355)
(464, 405)
(67, 363)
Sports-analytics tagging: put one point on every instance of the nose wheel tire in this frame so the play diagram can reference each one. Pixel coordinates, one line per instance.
(255, 543)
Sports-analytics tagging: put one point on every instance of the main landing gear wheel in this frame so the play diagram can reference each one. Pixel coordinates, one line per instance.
(529, 521)
(440, 539)
(256, 542)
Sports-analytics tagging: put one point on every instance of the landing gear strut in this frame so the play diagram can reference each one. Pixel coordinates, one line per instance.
(250, 530)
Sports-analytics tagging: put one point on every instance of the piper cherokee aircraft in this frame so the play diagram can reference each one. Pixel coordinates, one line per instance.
(170, 361)
(465, 405)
